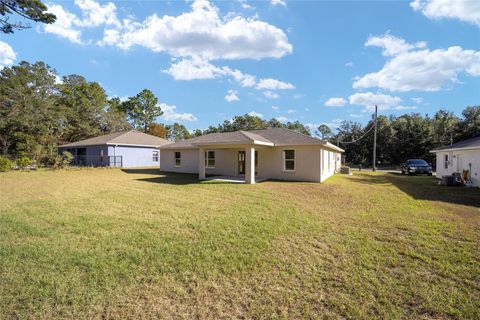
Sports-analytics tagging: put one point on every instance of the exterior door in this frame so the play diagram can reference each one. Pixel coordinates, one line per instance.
(241, 162)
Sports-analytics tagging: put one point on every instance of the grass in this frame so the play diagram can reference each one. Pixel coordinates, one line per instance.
(109, 244)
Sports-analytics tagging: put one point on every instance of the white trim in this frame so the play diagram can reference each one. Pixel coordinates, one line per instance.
(175, 158)
(135, 145)
(455, 149)
(206, 159)
(294, 160)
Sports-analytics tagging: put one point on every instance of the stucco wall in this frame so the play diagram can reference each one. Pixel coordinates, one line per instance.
(460, 160)
(189, 163)
(134, 156)
(270, 162)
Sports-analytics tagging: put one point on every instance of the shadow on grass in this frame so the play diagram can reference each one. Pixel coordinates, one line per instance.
(173, 178)
(424, 188)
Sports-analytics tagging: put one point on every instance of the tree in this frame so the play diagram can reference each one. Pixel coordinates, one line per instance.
(143, 109)
(197, 133)
(33, 10)
(298, 127)
(469, 127)
(84, 104)
(444, 123)
(158, 130)
(115, 119)
(324, 131)
(177, 132)
(30, 119)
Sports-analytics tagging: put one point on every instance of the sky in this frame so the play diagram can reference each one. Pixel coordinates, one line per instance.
(319, 62)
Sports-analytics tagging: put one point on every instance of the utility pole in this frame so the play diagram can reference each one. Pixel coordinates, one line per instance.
(375, 142)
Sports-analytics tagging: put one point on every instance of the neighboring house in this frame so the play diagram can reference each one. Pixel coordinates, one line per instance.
(464, 155)
(273, 153)
(119, 149)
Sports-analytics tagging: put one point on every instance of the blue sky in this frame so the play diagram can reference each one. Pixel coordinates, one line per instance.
(312, 61)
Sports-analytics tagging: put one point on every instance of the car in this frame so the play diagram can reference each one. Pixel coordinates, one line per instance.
(414, 166)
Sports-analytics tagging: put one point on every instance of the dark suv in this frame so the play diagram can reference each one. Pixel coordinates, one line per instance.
(413, 166)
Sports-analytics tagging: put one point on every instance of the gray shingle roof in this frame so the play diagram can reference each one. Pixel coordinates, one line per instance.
(273, 136)
(473, 143)
(132, 137)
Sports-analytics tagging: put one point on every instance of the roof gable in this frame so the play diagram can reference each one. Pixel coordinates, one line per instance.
(472, 143)
(269, 136)
(133, 138)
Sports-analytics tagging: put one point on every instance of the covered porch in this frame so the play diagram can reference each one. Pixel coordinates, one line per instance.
(233, 162)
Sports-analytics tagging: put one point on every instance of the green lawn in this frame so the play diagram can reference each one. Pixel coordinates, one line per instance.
(107, 243)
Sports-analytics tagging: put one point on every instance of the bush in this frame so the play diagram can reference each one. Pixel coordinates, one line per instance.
(58, 161)
(23, 162)
(5, 164)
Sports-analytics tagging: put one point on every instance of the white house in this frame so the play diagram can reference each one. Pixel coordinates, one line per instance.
(464, 155)
(273, 153)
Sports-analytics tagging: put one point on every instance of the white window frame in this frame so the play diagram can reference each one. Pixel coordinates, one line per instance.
(284, 160)
(214, 159)
(155, 155)
(179, 159)
(446, 161)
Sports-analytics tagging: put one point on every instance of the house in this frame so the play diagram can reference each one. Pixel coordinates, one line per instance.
(273, 153)
(464, 155)
(119, 149)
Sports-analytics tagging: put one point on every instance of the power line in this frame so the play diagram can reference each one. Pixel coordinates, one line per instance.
(362, 136)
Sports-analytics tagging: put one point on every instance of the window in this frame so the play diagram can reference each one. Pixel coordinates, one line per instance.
(101, 155)
(155, 156)
(289, 160)
(210, 159)
(178, 159)
(445, 161)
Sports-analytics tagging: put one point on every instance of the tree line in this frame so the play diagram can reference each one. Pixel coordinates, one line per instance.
(39, 112)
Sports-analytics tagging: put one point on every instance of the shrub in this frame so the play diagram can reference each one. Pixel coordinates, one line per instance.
(58, 161)
(23, 162)
(5, 164)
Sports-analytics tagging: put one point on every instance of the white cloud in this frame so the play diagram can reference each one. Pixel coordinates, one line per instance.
(275, 107)
(464, 10)
(335, 102)
(255, 114)
(69, 25)
(369, 100)
(354, 115)
(392, 45)
(417, 100)
(422, 70)
(7, 55)
(278, 2)
(202, 32)
(271, 95)
(349, 64)
(283, 119)
(232, 96)
(66, 24)
(290, 111)
(273, 84)
(169, 114)
(96, 14)
(193, 69)
(197, 68)
(405, 108)
(245, 5)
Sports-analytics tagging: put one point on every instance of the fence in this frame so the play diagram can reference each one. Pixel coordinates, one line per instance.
(98, 161)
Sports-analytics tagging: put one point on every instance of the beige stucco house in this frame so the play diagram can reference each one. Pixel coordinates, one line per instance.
(463, 155)
(273, 153)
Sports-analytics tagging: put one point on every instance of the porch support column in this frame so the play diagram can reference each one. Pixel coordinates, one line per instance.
(250, 165)
(201, 163)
